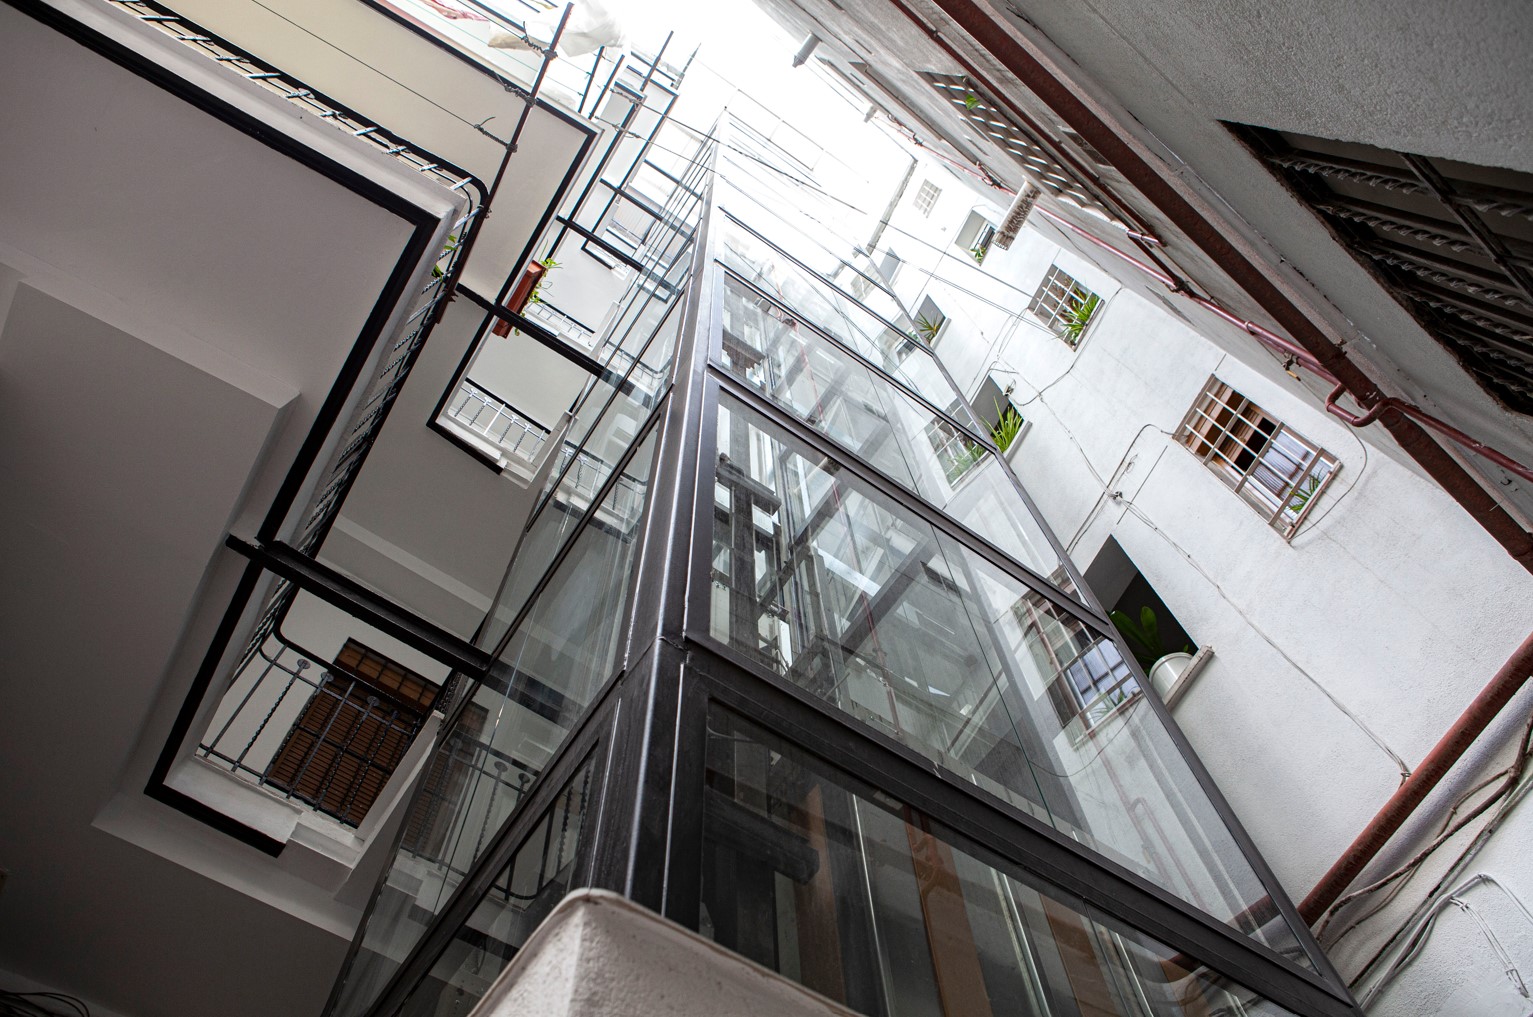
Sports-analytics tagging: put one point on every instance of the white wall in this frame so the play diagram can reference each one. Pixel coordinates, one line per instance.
(1337, 654)
(183, 297)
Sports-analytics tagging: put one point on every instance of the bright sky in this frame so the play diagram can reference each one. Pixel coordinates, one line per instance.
(745, 62)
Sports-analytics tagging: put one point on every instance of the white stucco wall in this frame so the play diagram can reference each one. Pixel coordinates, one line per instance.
(1338, 655)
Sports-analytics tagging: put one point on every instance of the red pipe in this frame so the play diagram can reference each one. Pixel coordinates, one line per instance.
(1303, 358)
(1063, 99)
(1507, 681)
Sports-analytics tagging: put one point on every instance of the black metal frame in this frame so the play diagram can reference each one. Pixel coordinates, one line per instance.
(650, 718)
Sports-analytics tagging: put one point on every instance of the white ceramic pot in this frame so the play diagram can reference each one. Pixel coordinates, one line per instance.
(1165, 671)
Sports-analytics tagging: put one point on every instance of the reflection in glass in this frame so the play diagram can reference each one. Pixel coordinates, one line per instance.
(860, 602)
(789, 362)
(603, 431)
(893, 347)
(537, 877)
(872, 904)
(516, 719)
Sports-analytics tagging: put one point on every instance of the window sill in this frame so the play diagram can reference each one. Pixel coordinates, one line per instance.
(315, 847)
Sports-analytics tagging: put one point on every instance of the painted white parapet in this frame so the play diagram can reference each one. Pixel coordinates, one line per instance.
(599, 953)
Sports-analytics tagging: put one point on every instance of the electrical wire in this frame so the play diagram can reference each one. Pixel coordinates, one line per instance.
(1513, 775)
(1405, 770)
(1400, 885)
(1424, 926)
(1454, 871)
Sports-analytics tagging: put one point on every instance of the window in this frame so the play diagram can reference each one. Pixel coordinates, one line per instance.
(994, 410)
(1064, 305)
(926, 197)
(976, 236)
(929, 321)
(352, 733)
(1278, 472)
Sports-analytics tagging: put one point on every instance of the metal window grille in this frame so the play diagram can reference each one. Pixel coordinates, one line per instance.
(1030, 147)
(1277, 471)
(1059, 302)
(1451, 241)
(926, 197)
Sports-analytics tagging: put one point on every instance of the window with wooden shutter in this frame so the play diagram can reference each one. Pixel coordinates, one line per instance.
(352, 733)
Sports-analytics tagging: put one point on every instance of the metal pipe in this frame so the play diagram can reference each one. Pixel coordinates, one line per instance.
(1496, 694)
(1302, 357)
(1063, 98)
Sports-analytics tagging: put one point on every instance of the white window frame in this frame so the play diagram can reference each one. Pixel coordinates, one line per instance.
(1275, 469)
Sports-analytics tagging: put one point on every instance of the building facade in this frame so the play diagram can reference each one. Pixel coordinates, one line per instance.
(680, 566)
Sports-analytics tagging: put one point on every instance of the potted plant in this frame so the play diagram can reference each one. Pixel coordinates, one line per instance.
(1077, 318)
(926, 329)
(526, 292)
(1008, 426)
(1146, 643)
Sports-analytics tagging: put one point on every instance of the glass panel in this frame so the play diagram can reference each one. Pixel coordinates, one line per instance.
(798, 369)
(514, 723)
(537, 878)
(606, 430)
(872, 904)
(858, 601)
(893, 348)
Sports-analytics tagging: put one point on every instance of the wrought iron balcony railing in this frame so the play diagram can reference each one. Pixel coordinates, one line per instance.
(305, 728)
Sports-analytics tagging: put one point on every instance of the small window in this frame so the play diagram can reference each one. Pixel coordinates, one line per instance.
(1277, 471)
(976, 236)
(994, 410)
(929, 321)
(1064, 305)
(926, 197)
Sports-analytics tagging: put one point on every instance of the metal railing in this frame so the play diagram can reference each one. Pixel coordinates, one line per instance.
(488, 415)
(303, 728)
(251, 68)
(469, 786)
(584, 478)
(560, 324)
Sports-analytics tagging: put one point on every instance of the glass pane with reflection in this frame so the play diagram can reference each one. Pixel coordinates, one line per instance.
(857, 600)
(788, 361)
(516, 719)
(871, 904)
(526, 890)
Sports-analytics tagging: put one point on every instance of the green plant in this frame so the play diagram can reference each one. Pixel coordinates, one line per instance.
(1302, 493)
(926, 329)
(1077, 318)
(1008, 426)
(970, 101)
(1143, 636)
(979, 254)
(452, 246)
(549, 264)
